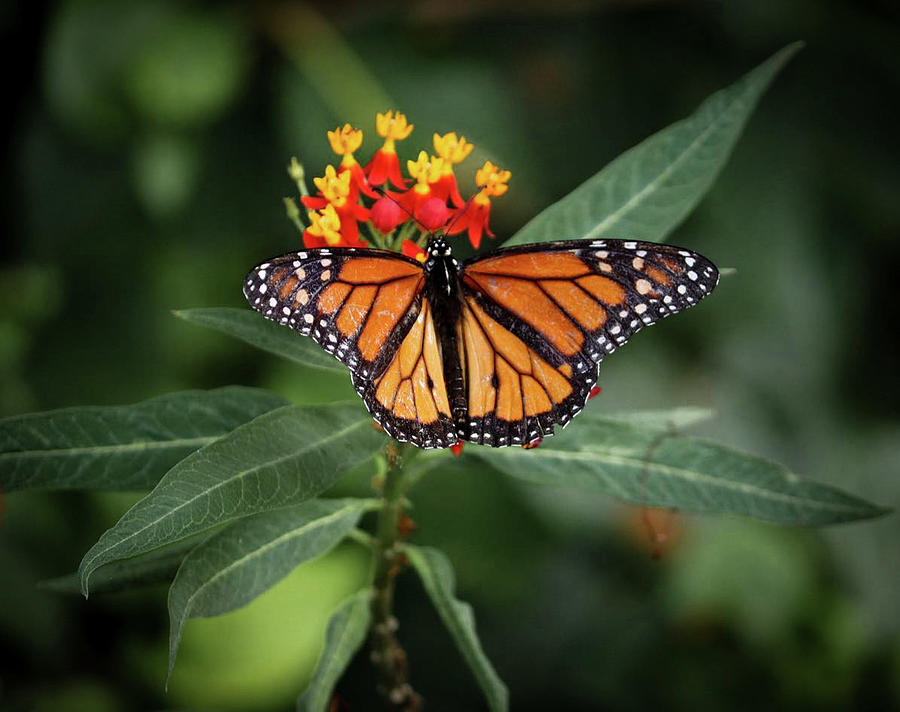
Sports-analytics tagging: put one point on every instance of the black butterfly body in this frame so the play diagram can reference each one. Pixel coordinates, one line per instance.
(496, 350)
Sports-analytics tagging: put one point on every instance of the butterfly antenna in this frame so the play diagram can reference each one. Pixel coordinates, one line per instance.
(462, 212)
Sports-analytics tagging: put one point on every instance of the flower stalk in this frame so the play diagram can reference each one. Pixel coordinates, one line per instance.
(388, 655)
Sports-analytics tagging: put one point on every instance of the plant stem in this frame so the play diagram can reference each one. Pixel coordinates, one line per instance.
(388, 655)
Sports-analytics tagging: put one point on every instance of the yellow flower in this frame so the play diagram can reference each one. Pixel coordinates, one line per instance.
(344, 141)
(425, 170)
(392, 127)
(334, 186)
(325, 224)
(452, 149)
(492, 181)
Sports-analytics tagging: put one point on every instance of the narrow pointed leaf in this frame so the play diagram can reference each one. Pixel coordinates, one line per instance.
(125, 447)
(437, 577)
(281, 458)
(651, 467)
(248, 557)
(345, 634)
(647, 191)
(256, 330)
(159, 566)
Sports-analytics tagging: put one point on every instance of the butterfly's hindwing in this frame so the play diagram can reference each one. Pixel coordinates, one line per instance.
(515, 394)
(409, 398)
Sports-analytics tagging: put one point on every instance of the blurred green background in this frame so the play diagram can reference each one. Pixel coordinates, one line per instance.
(146, 144)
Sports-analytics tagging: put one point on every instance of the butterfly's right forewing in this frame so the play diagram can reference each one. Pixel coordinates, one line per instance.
(538, 319)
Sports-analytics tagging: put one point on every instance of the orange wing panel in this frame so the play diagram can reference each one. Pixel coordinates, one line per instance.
(392, 302)
(355, 308)
(509, 399)
(576, 302)
(525, 383)
(535, 265)
(525, 300)
(361, 270)
(404, 403)
(333, 296)
(605, 289)
(412, 388)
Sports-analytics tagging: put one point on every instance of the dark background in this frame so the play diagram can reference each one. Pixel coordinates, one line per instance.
(144, 170)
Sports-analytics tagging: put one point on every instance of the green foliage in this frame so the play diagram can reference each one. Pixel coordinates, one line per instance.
(157, 566)
(437, 577)
(281, 458)
(346, 632)
(254, 329)
(649, 190)
(235, 472)
(120, 447)
(659, 469)
(188, 71)
(245, 559)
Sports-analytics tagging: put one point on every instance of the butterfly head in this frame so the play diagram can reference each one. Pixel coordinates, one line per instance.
(438, 247)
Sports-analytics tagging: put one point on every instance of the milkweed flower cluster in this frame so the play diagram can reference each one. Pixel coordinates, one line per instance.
(356, 205)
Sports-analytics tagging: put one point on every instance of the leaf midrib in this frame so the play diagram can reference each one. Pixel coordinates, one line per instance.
(111, 449)
(342, 639)
(466, 640)
(638, 197)
(694, 477)
(234, 478)
(286, 536)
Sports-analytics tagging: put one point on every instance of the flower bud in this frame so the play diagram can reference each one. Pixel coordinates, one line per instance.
(433, 214)
(386, 214)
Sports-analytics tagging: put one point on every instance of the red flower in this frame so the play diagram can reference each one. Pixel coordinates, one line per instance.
(457, 448)
(386, 214)
(453, 150)
(446, 188)
(358, 182)
(474, 216)
(432, 214)
(384, 164)
(426, 171)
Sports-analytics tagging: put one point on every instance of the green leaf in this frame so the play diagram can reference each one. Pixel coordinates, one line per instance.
(245, 559)
(256, 330)
(154, 567)
(346, 633)
(120, 447)
(282, 458)
(648, 190)
(658, 469)
(437, 577)
(674, 418)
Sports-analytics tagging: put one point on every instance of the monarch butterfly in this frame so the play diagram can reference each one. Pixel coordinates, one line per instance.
(495, 350)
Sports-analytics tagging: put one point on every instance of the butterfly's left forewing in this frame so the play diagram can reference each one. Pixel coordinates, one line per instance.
(356, 304)
(538, 319)
(366, 308)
